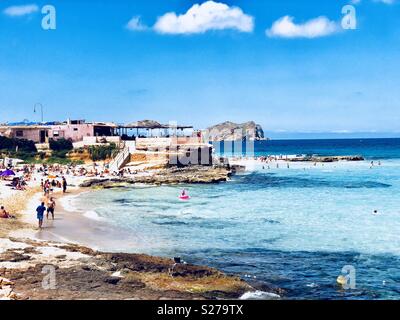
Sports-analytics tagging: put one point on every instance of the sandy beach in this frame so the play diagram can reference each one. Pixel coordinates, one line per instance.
(71, 242)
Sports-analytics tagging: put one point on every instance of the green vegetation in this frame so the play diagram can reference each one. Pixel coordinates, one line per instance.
(61, 145)
(17, 148)
(62, 161)
(60, 149)
(16, 145)
(26, 151)
(23, 155)
(98, 153)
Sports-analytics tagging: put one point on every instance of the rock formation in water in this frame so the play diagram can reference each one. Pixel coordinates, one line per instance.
(231, 131)
(326, 158)
(173, 175)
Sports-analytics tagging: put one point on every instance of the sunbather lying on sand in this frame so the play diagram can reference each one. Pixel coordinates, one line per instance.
(4, 214)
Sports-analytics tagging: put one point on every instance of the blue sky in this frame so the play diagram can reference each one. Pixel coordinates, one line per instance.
(308, 78)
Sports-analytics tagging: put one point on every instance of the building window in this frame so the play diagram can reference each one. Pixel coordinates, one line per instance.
(19, 133)
(75, 129)
(56, 133)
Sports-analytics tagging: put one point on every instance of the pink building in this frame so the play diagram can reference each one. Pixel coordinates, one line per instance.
(77, 130)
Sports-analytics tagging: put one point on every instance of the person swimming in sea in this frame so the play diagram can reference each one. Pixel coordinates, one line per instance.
(184, 195)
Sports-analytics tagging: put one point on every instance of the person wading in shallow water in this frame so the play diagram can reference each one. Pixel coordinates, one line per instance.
(51, 205)
(40, 212)
(64, 184)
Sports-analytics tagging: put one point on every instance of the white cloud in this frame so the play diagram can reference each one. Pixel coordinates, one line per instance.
(285, 27)
(203, 17)
(23, 10)
(135, 24)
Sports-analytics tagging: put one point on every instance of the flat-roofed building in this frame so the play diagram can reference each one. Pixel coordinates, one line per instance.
(78, 130)
(35, 133)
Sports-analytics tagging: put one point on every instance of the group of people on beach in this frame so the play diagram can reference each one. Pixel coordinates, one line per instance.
(42, 208)
(49, 185)
(49, 204)
(51, 177)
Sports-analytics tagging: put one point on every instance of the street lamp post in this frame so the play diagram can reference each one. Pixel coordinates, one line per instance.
(41, 109)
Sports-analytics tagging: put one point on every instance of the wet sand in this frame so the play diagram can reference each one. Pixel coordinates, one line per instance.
(71, 226)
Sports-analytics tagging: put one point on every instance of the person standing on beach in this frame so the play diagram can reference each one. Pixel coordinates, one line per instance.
(64, 184)
(40, 212)
(51, 205)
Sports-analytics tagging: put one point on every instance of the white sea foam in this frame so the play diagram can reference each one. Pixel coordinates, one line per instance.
(68, 203)
(93, 215)
(259, 295)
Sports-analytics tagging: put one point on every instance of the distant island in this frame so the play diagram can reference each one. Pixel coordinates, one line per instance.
(230, 131)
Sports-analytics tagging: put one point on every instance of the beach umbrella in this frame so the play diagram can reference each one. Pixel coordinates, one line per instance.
(7, 173)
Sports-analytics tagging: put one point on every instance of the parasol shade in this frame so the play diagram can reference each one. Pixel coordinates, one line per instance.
(7, 173)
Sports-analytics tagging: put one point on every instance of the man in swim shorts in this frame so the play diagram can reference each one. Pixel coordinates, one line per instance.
(40, 212)
(51, 205)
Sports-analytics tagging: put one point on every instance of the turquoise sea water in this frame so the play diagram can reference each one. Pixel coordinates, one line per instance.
(293, 228)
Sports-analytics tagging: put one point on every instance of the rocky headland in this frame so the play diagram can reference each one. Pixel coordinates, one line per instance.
(230, 131)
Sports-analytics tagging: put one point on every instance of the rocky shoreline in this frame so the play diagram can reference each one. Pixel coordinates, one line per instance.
(83, 273)
(172, 175)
